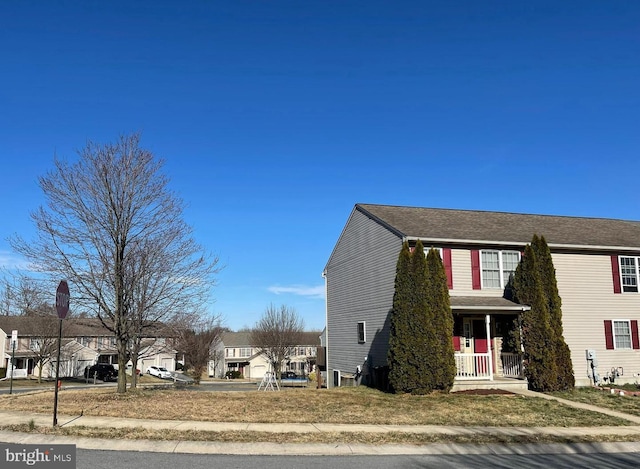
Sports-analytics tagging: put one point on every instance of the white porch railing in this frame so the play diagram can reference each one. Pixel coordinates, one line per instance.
(473, 366)
(17, 373)
(512, 365)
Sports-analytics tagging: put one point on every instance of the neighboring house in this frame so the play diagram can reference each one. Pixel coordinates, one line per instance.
(85, 341)
(597, 264)
(240, 355)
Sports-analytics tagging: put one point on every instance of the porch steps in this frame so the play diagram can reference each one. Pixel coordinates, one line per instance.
(504, 384)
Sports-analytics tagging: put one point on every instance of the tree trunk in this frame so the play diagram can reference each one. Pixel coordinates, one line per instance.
(122, 366)
(134, 369)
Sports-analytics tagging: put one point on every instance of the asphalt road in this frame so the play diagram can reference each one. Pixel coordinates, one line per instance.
(87, 459)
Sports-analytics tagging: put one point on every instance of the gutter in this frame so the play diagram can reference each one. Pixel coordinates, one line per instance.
(493, 308)
(584, 247)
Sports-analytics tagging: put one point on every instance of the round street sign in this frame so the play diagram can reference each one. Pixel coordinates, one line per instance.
(62, 299)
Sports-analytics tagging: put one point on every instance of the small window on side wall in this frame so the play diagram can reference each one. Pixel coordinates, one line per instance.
(362, 332)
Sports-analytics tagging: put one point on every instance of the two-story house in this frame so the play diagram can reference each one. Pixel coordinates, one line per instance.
(597, 264)
(85, 341)
(242, 356)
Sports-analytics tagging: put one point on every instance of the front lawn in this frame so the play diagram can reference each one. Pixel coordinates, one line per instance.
(343, 405)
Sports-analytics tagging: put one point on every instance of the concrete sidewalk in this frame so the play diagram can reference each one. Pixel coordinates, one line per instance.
(9, 418)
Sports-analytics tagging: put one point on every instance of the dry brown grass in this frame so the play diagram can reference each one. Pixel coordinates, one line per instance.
(324, 437)
(628, 404)
(342, 405)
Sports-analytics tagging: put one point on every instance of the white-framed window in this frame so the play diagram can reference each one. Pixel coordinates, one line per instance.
(439, 250)
(362, 332)
(630, 273)
(622, 334)
(35, 344)
(86, 341)
(497, 267)
(245, 352)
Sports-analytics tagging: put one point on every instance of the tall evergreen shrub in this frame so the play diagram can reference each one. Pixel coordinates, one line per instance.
(439, 304)
(420, 345)
(400, 355)
(537, 336)
(562, 354)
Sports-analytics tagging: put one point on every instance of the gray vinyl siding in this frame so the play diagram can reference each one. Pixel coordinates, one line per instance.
(360, 279)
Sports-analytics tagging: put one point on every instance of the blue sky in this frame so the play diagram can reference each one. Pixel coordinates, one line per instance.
(275, 118)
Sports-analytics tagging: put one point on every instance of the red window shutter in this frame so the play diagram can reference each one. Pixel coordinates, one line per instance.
(475, 269)
(634, 334)
(446, 254)
(608, 335)
(615, 270)
(456, 343)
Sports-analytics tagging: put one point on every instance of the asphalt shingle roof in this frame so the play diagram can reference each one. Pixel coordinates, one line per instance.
(71, 327)
(243, 339)
(503, 227)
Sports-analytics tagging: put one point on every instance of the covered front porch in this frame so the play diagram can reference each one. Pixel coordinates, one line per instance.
(482, 337)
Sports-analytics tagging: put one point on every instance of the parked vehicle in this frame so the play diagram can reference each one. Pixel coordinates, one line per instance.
(288, 375)
(102, 371)
(159, 372)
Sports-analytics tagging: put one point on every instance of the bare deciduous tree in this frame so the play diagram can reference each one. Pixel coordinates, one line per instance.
(198, 345)
(44, 341)
(277, 331)
(116, 232)
(23, 295)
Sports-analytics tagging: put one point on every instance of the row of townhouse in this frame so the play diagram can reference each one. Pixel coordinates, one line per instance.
(237, 353)
(597, 264)
(85, 341)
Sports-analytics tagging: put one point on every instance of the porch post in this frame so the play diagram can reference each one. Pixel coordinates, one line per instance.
(487, 322)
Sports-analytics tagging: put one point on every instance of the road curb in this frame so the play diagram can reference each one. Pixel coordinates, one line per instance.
(316, 449)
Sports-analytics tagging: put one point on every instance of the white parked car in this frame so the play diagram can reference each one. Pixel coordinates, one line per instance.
(159, 372)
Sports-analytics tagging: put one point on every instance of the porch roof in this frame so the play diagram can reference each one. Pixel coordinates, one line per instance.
(485, 303)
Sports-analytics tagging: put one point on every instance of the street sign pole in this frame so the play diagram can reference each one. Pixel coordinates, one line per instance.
(55, 397)
(62, 308)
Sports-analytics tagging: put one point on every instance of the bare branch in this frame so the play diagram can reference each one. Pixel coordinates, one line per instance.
(115, 231)
(277, 331)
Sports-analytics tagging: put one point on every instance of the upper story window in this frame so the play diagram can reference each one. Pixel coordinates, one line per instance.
(86, 341)
(438, 250)
(497, 267)
(34, 344)
(245, 352)
(629, 273)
